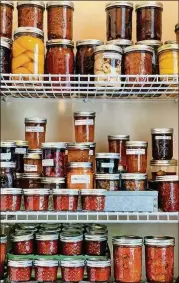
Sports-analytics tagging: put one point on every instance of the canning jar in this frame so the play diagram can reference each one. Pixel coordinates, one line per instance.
(136, 152)
(96, 229)
(36, 199)
(53, 159)
(78, 152)
(80, 175)
(84, 126)
(49, 226)
(127, 255)
(109, 182)
(71, 243)
(92, 154)
(133, 182)
(35, 130)
(7, 174)
(162, 143)
(65, 200)
(95, 245)
(60, 19)
(31, 181)
(33, 161)
(46, 270)
(22, 243)
(72, 270)
(7, 150)
(168, 189)
(5, 55)
(149, 20)
(119, 20)
(19, 270)
(163, 167)
(46, 243)
(117, 144)
(10, 199)
(98, 270)
(107, 163)
(20, 150)
(18, 181)
(159, 259)
(93, 200)
(177, 32)
(53, 183)
(3, 246)
(6, 18)
(168, 59)
(30, 14)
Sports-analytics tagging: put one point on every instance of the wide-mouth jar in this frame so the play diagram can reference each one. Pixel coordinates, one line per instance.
(31, 181)
(98, 270)
(71, 243)
(78, 152)
(7, 174)
(93, 200)
(117, 144)
(107, 163)
(5, 51)
(6, 18)
(84, 126)
(134, 182)
(35, 130)
(22, 243)
(33, 162)
(46, 270)
(80, 175)
(53, 183)
(36, 199)
(20, 270)
(3, 246)
(65, 199)
(162, 143)
(136, 152)
(46, 242)
(177, 32)
(7, 150)
(168, 55)
(72, 270)
(20, 150)
(10, 199)
(95, 244)
(109, 182)
(163, 167)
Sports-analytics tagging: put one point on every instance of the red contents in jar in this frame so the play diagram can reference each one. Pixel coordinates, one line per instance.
(19, 274)
(10, 202)
(22, 247)
(36, 202)
(72, 274)
(65, 202)
(74, 248)
(46, 274)
(95, 248)
(49, 247)
(93, 203)
(99, 274)
(168, 196)
(2, 258)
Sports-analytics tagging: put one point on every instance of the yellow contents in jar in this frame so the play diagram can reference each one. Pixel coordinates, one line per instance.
(168, 62)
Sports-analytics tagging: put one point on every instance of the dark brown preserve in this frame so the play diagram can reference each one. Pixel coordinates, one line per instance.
(5, 55)
(162, 143)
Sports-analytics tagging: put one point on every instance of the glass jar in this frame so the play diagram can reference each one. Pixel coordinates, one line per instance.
(95, 245)
(5, 55)
(163, 167)
(109, 182)
(53, 183)
(3, 246)
(7, 151)
(33, 161)
(46, 270)
(80, 175)
(149, 20)
(6, 18)
(133, 182)
(30, 14)
(84, 126)
(71, 243)
(96, 229)
(177, 32)
(35, 130)
(53, 159)
(119, 20)
(162, 143)
(36, 199)
(136, 152)
(22, 243)
(99, 270)
(65, 200)
(78, 152)
(123, 43)
(127, 255)
(50, 226)
(159, 259)
(20, 150)
(28, 55)
(10, 199)
(107, 163)
(93, 200)
(7, 174)
(168, 189)
(72, 270)
(60, 19)
(92, 154)
(117, 144)
(19, 270)
(168, 59)
(46, 243)
(31, 181)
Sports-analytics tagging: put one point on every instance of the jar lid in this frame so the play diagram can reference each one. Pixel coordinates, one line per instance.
(109, 47)
(41, 33)
(51, 180)
(167, 178)
(28, 226)
(168, 47)
(21, 236)
(38, 3)
(31, 176)
(139, 47)
(7, 164)
(3, 238)
(60, 4)
(137, 143)
(46, 263)
(20, 263)
(149, 42)
(71, 237)
(67, 192)
(89, 42)
(149, 4)
(42, 192)
(72, 263)
(80, 165)
(36, 151)
(46, 235)
(118, 4)
(172, 162)
(90, 144)
(93, 192)
(159, 241)
(120, 42)
(171, 42)
(10, 3)
(97, 237)
(84, 114)
(176, 27)
(162, 131)
(52, 230)
(57, 145)
(98, 263)
(77, 146)
(32, 156)
(108, 155)
(107, 176)
(49, 226)
(11, 191)
(5, 42)
(127, 240)
(38, 120)
(8, 144)
(132, 176)
(60, 42)
(119, 137)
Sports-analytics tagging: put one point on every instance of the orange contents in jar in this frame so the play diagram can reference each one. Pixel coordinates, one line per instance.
(33, 162)
(99, 270)
(72, 270)
(35, 130)
(136, 152)
(84, 126)
(78, 152)
(79, 175)
(117, 144)
(36, 199)
(3, 243)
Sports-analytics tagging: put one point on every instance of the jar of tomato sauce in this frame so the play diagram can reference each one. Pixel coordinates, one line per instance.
(22, 243)
(136, 152)
(35, 130)
(72, 270)
(3, 244)
(80, 175)
(99, 270)
(46, 270)
(46, 243)
(84, 126)
(117, 144)
(20, 270)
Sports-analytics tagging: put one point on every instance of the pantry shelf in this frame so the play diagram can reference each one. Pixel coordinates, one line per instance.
(72, 87)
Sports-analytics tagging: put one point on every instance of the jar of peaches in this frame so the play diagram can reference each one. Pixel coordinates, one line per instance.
(80, 175)
(84, 126)
(136, 152)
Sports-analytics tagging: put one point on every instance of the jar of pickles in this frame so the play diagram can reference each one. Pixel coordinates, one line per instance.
(168, 59)
(136, 152)
(7, 151)
(177, 32)
(163, 167)
(46, 270)
(80, 175)
(72, 270)
(7, 174)
(117, 144)
(6, 18)
(46, 243)
(5, 54)
(35, 130)
(20, 270)
(162, 143)
(31, 181)
(84, 126)
(53, 183)
(22, 243)
(3, 246)
(95, 245)
(98, 270)
(71, 243)
(33, 162)
(78, 152)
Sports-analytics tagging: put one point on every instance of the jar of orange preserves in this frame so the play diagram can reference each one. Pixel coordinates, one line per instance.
(136, 152)
(78, 152)
(35, 130)
(80, 175)
(84, 126)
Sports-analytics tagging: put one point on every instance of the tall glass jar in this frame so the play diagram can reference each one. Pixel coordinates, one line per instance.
(117, 144)
(35, 130)
(136, 152)
(6, 18)
(162, 143)
(3, 245)
(80, 175)
(168, 59)
(7, 174)
(84, 126)
(5, 54)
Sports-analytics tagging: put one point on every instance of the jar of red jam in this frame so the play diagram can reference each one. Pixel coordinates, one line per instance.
(163, 167)
(22, 243)
(46, 270)
(6, 18)
(99, 270)
(36, 199)
(107, 163)
(31, 181)
(65, 200)
(53, 183)
(10, 199)
(117, 144)
(109, 182)
(35, 130)
(93, 200)
(3, 246)
(80, 175)
(20, 150)
(159, 259)
(162, 143)
(7, 174)
(127, 255)
(49, 226)
(46, 243)
(84, 126)
(72, 270)
(95, 245)
(71, 243)
(136, 152)
(78, 152)
(33, 161)
(20, 270)
(7, 151)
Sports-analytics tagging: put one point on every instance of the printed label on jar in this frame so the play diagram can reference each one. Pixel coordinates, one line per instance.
(48, 162)
(37, 129)
(112, 56)
(107, 165)
(91, 152)
(5, 156)
(135, 151)
(163, 138)
(20, 150)
(80, 179)
(30, 168)
(87, 122)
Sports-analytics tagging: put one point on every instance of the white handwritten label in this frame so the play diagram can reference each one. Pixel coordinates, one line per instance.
(107, 165)
(30, 168)
(80, 179)
(6, 156)
(47, 162)
(37, 129)
(91, 152)
(87, 122)
(132, 151)
(20, 150)
(163, 138)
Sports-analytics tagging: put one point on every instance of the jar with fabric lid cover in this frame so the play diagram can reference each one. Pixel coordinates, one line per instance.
(168, 55)
(163, 167)
(5, 55)
(6, 18)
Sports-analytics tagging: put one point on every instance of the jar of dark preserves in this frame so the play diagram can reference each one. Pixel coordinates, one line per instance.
(149, 20)
(117, 144)
(119, 20)
(95, 245)
(20, 150)
(7, 151)
(7, 174)
(6, 18)
(18, 180)
(162, 143)
(136, 152)
(22, 243)
(163, 167)
(5, 55)
(107, 163)
(31, 181)
(159, 259)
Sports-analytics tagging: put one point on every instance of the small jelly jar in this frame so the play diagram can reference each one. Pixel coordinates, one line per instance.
(20, 270)
(35, 130)
(36, 199)
(72, 270)
(84, 126)
(3, 246)
(71, 243)
(109, 182)
(95, 245)
(159, 259)
(136, 152)
(168, 55)
(107, 163)
(93, 200)
(80, 175)
(162, 143)
(20, 150)
(7, 174)
(10, 199)
(46, 243)
(163, 167)
(133, 182)
(99, 270)
(53, 183)
(65, 200)
(5, 51)
(31, 181)
(7, 151)
(33, 162)
(117, 144)
(78, 152)
(22, 243)
(46, 270)
(18, 180)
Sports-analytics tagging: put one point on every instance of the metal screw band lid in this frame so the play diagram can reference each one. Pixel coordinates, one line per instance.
(150, 42)
(139, 47)
(60, 4)
(10, 3)
(68, 192)
(36, 192)
(167, 178)
(20, 263)
(37, 3)
(159, 241)
(137, 144)
(72, 263)
(77, 146)
(45, 263)
(131, 176)
(162, 131)
(8, 144)
(127, 240)
(3, 238)
(168, 47)
(119, 4)
(84, 114)
(99, 263)
(119, 137)
(172, 162)
(51, 180)
(80, 165)
(89, 42)
(5, 42)
(149, 4)
(97, 237)
(108, 155)
(46, 236)
(11, 191)
(120, 42)
(71, 237)
(60, 42)
(31, 176)
(57, 145)
(30, 30)
(107, 177)
(108, 47)
(21, 236)
(35, 119)
(97, 192)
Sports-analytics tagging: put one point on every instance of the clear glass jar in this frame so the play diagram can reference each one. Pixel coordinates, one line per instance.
(31, 181)
(92, 154)
(107, 163)
(168, 59)
(3, 247)
(46, 270)
(6, 18)
(71, 243)
(99, 270)
(80, 175)
(22, 243)
(65, 200)
(31, 14)
(136, 152)
(134, 182)
(163, 167)
(20, 270)
(162, 143)
(28, 53)
(72, 270)
(5, 55)
(53, 183)
(109, 182)
(117, 144)
(35, 131)
(93, 200)
(60, 19)
(177, 32)
(127, 256)
(159, 259)
(78, 152)
(7, 174)
(10, 199)
(7, 151)
(95, 245)
(149, 20)
(20, 150)
(119, 20)
(36, 199)
(84, 126)
(46, 243)
(33, 162)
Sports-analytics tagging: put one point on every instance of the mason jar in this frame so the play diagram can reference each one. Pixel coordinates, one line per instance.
(7, 151)
(136, 152)
(5, 53)
(163, 168)
(6, 18)
(168, 55)
(162, 143)
(35, 131)
(80, 175)
(84, 126)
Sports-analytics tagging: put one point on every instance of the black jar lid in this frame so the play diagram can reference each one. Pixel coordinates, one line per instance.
(89, 42)
(60, 4)
(162, 131)
(115, 4)
(5, 42)
(149, 4)
(60, 42)
(35, 3)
